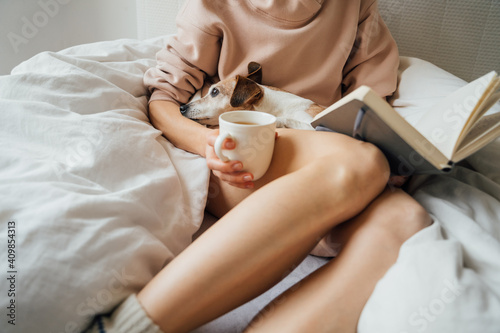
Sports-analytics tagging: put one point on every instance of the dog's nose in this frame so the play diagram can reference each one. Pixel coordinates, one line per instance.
(184, 108)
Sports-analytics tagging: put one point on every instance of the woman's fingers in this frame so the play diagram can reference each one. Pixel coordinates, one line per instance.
(230, 171)
(215, 164)
(238, 179)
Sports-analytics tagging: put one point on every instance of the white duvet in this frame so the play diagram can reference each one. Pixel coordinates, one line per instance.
(101, 201)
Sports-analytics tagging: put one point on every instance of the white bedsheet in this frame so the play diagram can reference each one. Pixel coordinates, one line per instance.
(100, 200)
(447, 277)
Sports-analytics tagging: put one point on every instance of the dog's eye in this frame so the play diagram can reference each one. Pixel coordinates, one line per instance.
(214, 92)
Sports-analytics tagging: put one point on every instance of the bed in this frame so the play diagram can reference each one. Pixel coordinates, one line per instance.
(94, 201)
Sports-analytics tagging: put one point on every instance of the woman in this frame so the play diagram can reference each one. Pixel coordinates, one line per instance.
(321, 50)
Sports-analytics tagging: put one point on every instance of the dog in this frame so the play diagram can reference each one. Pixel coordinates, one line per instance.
(248, 93)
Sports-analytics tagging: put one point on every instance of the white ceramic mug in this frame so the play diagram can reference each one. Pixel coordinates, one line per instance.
(254, 135)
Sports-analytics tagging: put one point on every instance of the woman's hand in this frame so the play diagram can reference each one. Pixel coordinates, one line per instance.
(230, 171)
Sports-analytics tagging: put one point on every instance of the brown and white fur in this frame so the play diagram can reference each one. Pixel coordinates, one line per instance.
(247, 93)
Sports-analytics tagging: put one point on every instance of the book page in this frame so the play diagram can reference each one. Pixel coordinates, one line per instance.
(471, 128)
(443, 123)
(485, 130)
(490, 97)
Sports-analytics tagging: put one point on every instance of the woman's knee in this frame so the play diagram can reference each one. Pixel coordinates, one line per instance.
(360, 168)
(355, 177)
(372, 164)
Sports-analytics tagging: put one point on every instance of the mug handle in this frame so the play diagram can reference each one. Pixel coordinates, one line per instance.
(218, 146)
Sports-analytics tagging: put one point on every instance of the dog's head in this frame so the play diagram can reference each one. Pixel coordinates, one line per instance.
(238, 93)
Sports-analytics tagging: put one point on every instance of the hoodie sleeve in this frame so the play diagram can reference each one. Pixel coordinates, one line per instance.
(188, 57)
(374, 57)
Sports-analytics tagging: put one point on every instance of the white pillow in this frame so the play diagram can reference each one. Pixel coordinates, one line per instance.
(421, 85)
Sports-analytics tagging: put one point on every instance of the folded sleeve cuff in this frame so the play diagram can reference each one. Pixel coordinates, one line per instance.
(159, 95)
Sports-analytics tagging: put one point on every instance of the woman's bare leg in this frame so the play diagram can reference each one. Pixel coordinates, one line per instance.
(294, 149)
(249, 248)
(332, 298)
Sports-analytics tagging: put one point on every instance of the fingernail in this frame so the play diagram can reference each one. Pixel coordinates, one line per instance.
(229, 145)
(247, 178)
(237, 166)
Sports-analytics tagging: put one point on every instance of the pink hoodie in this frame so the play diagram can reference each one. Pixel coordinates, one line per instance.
(317, 49)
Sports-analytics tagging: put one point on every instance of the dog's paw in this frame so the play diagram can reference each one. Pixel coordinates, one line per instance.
(292, 123)
(397, 181)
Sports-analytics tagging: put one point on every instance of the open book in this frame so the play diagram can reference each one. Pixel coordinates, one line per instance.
(446, 133)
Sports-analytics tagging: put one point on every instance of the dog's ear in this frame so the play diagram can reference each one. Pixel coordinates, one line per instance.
(255, 72)
(246, 92)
